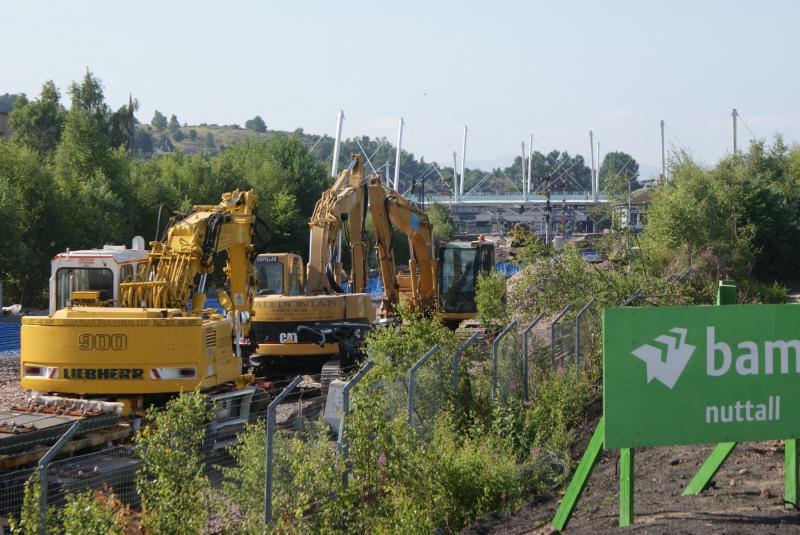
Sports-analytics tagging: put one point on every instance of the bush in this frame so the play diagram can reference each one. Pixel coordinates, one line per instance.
(490, 299)
(171, 481)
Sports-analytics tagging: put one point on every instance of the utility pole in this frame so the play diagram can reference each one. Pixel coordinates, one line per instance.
(337, 141)
(735, 115)
(463, 162)
(455, 177)
(522, 168)
(397, 157)
(530, 164)
(594, 170)
(663, 155)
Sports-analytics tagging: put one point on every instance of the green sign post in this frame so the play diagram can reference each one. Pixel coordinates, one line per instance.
(695, 375)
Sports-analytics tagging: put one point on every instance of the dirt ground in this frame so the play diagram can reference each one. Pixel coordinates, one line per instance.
(745, 496)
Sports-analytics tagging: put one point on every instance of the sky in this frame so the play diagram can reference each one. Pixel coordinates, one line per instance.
(505, 69)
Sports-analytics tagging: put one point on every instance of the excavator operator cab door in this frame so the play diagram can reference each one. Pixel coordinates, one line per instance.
(279, 274)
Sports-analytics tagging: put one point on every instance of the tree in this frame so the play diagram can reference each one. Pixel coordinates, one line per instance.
(210, 141)
(178, 135)
(443, 226)
(38, 124)
(123, 125)
(7, 102)
(193, 134)
(173, 123)
(617, 169)
(143, 141)
(89, 173)
(256, 123)
(159, 121)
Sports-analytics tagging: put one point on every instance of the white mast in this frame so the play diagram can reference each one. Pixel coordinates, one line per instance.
(522, 168)
(455, 177)
(463, 162)
(530, 166)
(397, 157)
(335, 163)
(594, 169)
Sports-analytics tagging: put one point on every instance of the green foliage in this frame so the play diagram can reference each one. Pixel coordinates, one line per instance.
(38, 124)
(178, 135)
(174, 124)
(444, 228)
(93, 513)
(171, 482)
(30, 219)
(396, 350)
(256, 124)
(490, 299)
(745, 209)
(192, 134)
(159, 121)
(210, 145)
(616, 171)
(7, 101)
(30, 517)
(143, 141)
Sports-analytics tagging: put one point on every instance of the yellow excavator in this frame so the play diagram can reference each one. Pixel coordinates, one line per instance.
(315, 325)
(161, 340)
(440, 279)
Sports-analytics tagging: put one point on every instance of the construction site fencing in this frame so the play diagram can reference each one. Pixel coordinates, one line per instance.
(116, 468)
(562, 338)
(508, 359)
(430, 393)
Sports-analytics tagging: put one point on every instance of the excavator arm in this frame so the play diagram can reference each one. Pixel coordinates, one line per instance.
(341, 208)
(178, 265)
(389, 208)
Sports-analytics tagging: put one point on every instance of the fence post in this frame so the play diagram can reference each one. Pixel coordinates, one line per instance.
(632, 298)
(457, 361)
(553, 326)
(578, 319)
(495, 346)
(412, 379)
(525, 352)
(341, 444)
(270, 432)
(42, 467)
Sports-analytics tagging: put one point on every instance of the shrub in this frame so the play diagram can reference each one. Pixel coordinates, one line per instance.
(171, 482)
(490, 300)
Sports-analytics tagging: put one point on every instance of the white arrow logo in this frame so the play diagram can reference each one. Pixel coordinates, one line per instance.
(678, 356)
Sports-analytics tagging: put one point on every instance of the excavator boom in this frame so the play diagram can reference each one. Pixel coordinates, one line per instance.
(341, 208)
(389, 208)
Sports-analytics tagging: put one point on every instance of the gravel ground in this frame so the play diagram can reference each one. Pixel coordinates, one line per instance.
(10, 391)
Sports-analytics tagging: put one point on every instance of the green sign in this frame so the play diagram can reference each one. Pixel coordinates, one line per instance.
(696, 375)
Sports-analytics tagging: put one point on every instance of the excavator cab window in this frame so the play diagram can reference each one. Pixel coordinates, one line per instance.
(457, 284)
(70, 280)
(270, 278)
(295, 283)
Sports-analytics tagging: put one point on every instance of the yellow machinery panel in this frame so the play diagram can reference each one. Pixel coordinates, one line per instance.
(125, 351)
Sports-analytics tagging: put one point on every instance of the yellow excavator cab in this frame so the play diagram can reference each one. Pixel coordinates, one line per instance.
(280, 274)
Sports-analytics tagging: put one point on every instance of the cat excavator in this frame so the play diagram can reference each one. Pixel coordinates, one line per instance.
(99, 362)
(315, 325)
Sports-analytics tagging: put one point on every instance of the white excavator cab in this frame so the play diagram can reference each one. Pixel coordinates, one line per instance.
(92, 276)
